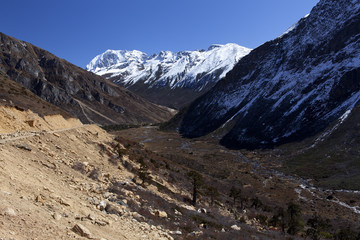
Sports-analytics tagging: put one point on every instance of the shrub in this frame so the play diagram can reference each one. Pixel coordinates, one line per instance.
(262, 219)
(95, 174)
(80, 167)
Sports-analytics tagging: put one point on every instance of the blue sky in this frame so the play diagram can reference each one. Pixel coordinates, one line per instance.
(78, 30)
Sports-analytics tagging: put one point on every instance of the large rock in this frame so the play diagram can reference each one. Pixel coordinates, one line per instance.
(82, 231)
(161, 214)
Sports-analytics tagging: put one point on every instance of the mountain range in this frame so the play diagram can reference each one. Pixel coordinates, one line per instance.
(167, 78)
(289, 88)
(291, 106)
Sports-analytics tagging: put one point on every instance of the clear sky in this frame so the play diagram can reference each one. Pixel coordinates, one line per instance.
(78, 30)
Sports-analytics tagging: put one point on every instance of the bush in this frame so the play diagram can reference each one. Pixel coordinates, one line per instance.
(262, 219)
(95, 174)
(80, 167)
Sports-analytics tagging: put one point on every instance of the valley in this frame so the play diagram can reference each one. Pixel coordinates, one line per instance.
(258, 173)
(223, 143)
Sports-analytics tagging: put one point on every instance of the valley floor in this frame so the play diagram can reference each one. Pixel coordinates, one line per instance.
(60, 179)
(257, 172)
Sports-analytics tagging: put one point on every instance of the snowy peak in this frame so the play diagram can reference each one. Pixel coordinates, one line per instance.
(195, 71)
(214, 46)
(112, 58)
(129, 67)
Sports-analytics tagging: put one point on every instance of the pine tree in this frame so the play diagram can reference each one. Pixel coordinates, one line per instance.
(144, 173)
(294, 216)
(235, 193)
(212, 192)
(197, 181)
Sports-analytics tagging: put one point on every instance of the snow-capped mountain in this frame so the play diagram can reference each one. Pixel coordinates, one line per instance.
(162, 77)
(289, 88)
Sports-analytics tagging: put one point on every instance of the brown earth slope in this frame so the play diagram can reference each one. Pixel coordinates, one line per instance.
(44, 193)
(87, 96)
(43, 197)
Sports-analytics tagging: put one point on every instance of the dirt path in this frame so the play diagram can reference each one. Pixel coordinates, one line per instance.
(22, 135)
(83, 105)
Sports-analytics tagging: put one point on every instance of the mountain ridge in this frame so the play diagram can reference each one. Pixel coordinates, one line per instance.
(163, 78)
(289, 88)
(85, 95)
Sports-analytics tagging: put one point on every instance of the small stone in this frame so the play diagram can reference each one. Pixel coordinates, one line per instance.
(24, 147)
(178, 213)
(91, 217)
(64, 202)
(191, 208)
(7, 211)
(39, 198)
(202, 210)
(107, 195)
(82, 231)
(161, 214)
(24, 198)
(102, 205)
(101, 223)
(94, 200)
(57, 216)
(31, 122)
(196, 233)
(114, 209)
(235, 227)
(138, 216)
(176, 232)
(51, 154)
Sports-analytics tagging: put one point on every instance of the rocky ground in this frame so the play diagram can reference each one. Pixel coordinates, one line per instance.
(258, 173)
(44, 188)
(60, 179)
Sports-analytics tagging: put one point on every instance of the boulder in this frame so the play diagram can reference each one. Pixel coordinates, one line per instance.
(161, 214)
(82, 231)
(235, 227)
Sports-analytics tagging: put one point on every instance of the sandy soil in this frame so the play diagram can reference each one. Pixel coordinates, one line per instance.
(43, 197)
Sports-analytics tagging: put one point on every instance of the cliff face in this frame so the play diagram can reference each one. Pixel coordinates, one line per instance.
(289, 88)
(87, 96)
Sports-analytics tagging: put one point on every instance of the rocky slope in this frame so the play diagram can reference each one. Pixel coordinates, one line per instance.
(289, 88)
(60, 179)
(168, 78)
(87, 96)
(43, 196)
